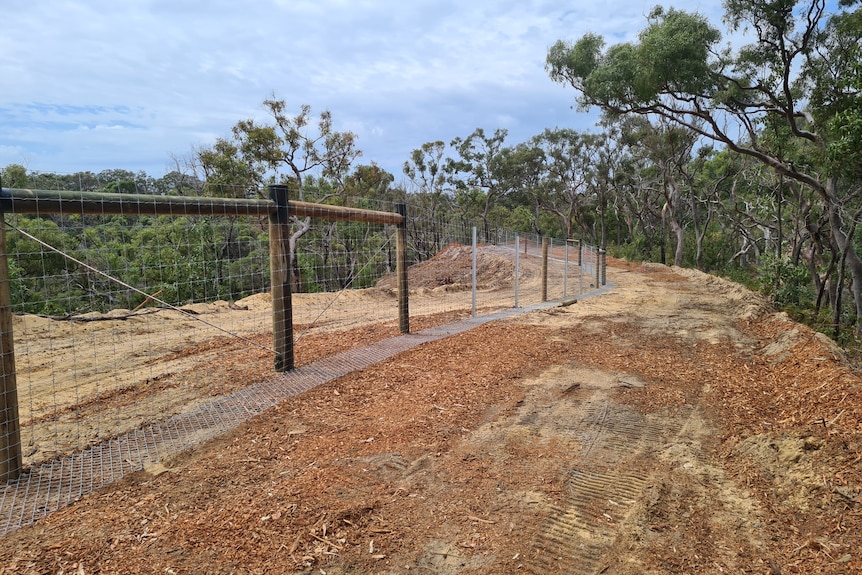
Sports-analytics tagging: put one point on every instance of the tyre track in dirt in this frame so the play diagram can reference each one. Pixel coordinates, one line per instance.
(629, 462)
(601, 492)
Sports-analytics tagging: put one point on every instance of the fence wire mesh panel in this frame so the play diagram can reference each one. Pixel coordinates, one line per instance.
(441, 272)
(138, 334)
(123, 320)
(95, 357)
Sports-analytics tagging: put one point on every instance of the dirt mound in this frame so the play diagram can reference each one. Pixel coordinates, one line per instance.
(743, 303)
(452, 269)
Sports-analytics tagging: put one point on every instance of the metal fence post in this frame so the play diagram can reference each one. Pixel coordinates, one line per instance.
(474, 272)
(603, 255)
(565, 269)
(598, 267)
(544, 269)
(580, 280)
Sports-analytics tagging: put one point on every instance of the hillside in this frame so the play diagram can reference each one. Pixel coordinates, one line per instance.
(673, 425)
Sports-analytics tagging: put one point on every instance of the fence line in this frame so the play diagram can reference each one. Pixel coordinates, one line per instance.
(58, 483)
(97, 361)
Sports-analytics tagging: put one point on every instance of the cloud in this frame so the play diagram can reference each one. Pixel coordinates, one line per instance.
(105, 84)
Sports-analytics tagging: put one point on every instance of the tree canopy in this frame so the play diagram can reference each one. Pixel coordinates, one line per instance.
(781, 99)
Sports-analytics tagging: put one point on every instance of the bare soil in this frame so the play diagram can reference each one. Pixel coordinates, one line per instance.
(675, 424)
(93, 377)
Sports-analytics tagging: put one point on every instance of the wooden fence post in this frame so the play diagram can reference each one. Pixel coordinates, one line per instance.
(10, 433)
(280, 278)
(598, 268)
(401, 269)
(603, 256)
(517, 267)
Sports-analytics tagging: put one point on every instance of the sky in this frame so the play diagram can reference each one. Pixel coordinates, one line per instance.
(90, 85)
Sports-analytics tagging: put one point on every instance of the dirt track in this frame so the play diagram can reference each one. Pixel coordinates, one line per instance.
(674, 425)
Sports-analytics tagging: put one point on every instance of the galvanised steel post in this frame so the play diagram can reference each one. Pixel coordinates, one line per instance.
(474, 272)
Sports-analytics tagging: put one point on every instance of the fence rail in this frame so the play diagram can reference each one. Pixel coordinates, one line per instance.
(25, 201)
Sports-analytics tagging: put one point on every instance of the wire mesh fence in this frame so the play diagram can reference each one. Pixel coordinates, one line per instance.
(127, 322)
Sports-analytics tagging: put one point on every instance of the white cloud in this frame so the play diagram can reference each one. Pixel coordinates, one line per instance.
(105, 84)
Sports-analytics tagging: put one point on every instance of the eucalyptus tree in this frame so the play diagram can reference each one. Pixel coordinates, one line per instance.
(179, 183)
(790, 72)
(292, 146)
(834, 76)
(126, 181)
(225, 171)
(353, 254)
(14, 176)
(610, 178)
(704, 202)
(636, 192)
(372, 183)
(652, 156)
(428, 170)
(523, 176)
(626, 183)
(567, 192)
(670, 148)
(476, 173)
(283, 150)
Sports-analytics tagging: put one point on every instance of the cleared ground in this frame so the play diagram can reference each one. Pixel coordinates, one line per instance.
(673, 425)
(94, 377)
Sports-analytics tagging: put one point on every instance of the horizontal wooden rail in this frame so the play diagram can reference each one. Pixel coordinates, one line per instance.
(25, 201)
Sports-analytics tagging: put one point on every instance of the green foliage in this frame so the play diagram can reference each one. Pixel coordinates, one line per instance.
(718, 250)
(186, 258)
(845, 151)
(307, 264)
(673, 55)
(14, 176)
(617, 79)
(745, 275)
(785, 283)
(227, 173)
(637, 250)
(845, 98)
(572, 62)
(520, 219)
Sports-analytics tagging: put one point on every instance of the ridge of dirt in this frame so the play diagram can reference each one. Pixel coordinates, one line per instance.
(673, 425)
(452, 269)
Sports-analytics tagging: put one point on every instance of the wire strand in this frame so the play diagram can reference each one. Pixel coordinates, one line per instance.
(344, 289)
(143, 293)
